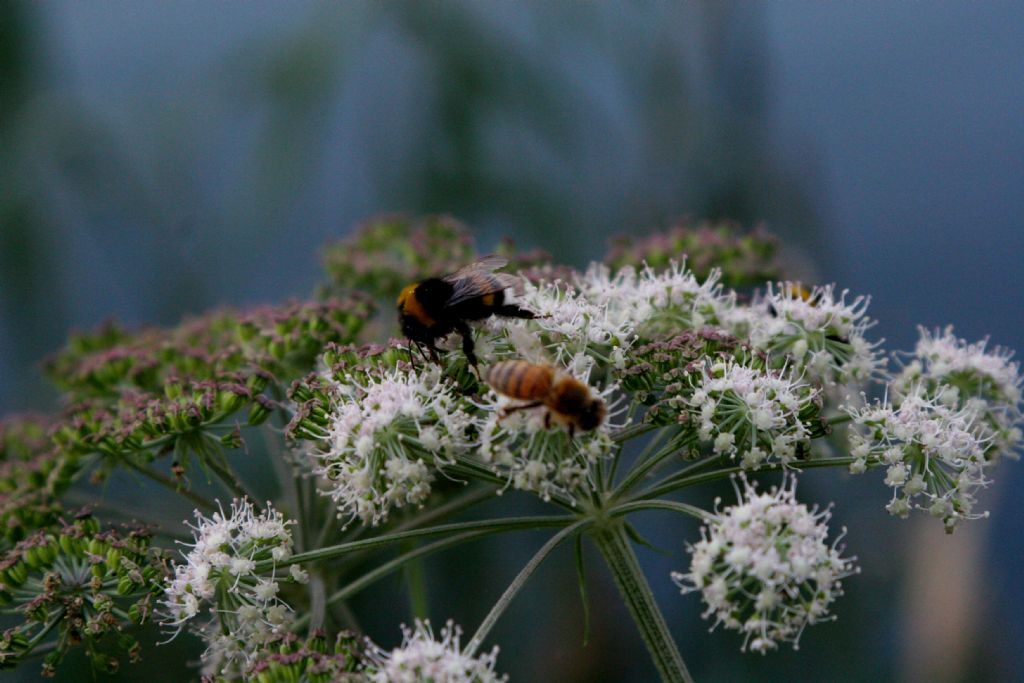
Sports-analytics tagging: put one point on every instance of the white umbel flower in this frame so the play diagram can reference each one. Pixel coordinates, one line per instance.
(424, 657)
(600, 311)
(219, 575)
(984, 381)
(819, 330)
(749, 413)
(386, 437)
(764, 568)
(934, 460)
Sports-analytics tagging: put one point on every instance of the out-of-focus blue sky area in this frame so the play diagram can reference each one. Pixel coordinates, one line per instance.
(160, 158)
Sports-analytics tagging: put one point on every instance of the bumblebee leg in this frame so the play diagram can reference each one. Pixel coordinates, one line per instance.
(572, 430)
(467, 343)
(547, 420)
(433, 352)
(513, 311)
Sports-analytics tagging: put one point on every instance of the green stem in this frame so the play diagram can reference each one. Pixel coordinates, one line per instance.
(471, 469)
(383, 570)
(454, 506)
(317, 600)
(842, 418)
(643, 469)
(484, 526)
(614, 544)
(517, 583)
(169, 483)
(691, 510)
(232, 482)
(627, 433)
(676, 482)
(415, 580)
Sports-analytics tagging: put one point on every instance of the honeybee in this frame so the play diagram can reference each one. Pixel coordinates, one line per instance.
(436, 307)
(569, 402)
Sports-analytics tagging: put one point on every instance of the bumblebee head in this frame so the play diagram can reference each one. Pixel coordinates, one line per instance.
(406, 296)
(592, 414)
(411, 315)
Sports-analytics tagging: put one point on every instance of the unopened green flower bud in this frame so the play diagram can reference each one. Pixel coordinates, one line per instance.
(260, 411)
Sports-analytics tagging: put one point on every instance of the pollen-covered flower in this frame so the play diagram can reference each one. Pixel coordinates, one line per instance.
(934, 460)
(385, 435)
(764, 567)
(221, 575)
(425, 657)
(820, 333)
(983, 381)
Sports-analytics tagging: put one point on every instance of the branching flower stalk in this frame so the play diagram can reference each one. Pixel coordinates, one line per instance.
(378, 458)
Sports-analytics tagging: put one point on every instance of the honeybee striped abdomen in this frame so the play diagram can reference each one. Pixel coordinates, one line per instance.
(569, 401)
(521, 379)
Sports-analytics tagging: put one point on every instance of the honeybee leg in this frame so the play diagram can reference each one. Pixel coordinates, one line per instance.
(505, 412)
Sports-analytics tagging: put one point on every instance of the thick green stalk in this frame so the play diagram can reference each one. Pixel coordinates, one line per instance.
(614, 544)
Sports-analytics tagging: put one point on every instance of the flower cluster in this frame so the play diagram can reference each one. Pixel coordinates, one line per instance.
(934, 459)
(33, 474)
(388, 252)
(817, 332)
(82, 585)
(984, 382)
(601, 313)
(312, 660)
(380, 434)
(722, 393)
(764, 568)
(425, 657)
(534, 453)
(751, 413)
(744, 258)
(222, 570)
(131, 393)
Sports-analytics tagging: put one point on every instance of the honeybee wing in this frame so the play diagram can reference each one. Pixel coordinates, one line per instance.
(478, 279)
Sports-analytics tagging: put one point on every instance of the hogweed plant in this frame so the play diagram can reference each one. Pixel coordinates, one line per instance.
(378, 453)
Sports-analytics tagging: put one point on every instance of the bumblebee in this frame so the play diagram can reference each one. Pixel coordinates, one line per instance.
(433, 309)
(569, 402)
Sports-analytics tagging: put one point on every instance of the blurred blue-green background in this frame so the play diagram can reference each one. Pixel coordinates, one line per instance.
(160, 158)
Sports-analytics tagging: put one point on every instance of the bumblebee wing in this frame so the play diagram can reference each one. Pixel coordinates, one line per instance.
(484, 263)
(478, 279)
